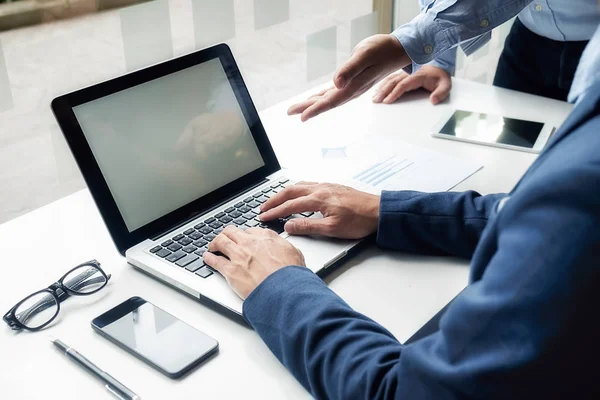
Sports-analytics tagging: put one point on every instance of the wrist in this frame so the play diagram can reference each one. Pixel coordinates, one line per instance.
(372, 212)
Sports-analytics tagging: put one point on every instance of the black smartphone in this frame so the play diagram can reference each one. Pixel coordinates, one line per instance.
(155, 337)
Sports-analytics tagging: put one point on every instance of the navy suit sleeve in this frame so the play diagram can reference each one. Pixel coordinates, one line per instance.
(447, 223)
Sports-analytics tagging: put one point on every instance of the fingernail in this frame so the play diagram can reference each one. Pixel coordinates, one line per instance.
(291, 224)
(377, 98)
(434, 100)
(341, 82)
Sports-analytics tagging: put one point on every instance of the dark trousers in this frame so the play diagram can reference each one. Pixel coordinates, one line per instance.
(534, 64)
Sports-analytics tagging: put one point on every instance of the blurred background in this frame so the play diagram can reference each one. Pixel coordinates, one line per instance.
(283, 48)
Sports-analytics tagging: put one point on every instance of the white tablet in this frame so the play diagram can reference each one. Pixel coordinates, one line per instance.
(494, 130)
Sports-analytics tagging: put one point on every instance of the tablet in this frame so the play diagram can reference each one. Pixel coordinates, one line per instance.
(494, 130)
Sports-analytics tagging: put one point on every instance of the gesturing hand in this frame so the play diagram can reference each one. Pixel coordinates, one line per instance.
(348, 213)
(372, 59)
(253, 255)
(434, 79)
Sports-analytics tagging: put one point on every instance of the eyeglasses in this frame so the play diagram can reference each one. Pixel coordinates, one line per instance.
(39, 309)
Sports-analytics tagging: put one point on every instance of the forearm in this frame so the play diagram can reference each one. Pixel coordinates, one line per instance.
(444, 24)
(447, 223)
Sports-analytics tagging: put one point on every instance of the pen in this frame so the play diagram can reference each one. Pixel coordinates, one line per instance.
(111, 384)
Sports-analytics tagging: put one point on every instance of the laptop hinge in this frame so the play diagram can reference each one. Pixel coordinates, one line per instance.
(188, 220)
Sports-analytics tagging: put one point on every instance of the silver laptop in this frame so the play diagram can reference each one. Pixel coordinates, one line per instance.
(172, 154)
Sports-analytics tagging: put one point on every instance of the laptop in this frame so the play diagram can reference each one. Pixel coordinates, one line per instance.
(172, 154)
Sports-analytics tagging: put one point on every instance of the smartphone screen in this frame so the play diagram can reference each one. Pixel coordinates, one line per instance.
(491, 129)
(155, 336)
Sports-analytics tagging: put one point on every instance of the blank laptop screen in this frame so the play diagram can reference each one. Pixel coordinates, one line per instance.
(170, 141)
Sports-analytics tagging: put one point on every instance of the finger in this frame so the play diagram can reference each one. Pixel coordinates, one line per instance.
(309, 226)
(222, 243)
(258, 232)
(289, 193)
(303, 105)
(386, 88)
(217, 262)
(295, 206)
(410, 83)
(333, 99)
(235, 234)
(442, 92)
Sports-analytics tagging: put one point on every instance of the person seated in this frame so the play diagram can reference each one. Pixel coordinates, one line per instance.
(524, 327)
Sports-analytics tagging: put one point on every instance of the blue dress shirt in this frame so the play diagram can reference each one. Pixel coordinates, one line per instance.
(560, 20)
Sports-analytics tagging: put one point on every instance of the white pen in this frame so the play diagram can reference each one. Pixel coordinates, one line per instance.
(111, 384)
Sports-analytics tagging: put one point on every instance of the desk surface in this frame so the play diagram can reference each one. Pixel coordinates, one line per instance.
(399, 291)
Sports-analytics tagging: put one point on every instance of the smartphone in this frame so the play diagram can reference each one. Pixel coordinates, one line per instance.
(494, 130)
(155, 337)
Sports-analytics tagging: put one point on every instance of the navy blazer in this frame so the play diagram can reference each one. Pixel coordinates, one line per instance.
(525, 327)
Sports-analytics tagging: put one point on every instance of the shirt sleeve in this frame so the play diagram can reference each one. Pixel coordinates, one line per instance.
(505, 336)
(445, 24)
(446, 223)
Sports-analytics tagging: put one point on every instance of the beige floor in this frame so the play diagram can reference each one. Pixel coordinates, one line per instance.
(47, 60)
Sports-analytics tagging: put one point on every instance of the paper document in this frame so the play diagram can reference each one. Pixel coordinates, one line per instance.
(383, 164)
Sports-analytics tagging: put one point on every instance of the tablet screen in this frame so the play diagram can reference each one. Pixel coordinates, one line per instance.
(488, 128)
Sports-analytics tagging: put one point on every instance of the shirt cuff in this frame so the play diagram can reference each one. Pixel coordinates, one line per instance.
(263, 304)
(422, 39)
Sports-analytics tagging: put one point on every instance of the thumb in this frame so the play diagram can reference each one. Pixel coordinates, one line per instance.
(351, 69)
(308, 226)
(442, 91)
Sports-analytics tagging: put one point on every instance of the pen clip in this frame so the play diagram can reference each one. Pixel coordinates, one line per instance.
(114, 392)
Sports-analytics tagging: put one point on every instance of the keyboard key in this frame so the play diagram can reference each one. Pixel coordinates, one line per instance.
(200, 243)
(178, 237)
(231, 209)
(190, 249)
(283, 180)
(277, 190)
(185, 241)
(240, 221)
(218, 230)
(204, 272)
(242, 210)
(249, 215)
(257, 211)
(261, 199)
(195, 235)
(206, 230)
(189, 231)
(248, 199)
(216, 225)
(176, 256)
(175, 247)
(220, 215)
(199, 226)
(257, 194)
(200, 252)
(252, 223)
(307, 214)
(167, 243)
(195, 266)
(266, 190)
(238, 205)
(253, 204)
(187, 260)
(238, 213)
(226, 219)
(269, 195)
(210, 220)
(210, 236)
(276, 225)
(275, 185)
(163, 253)
(155, 249)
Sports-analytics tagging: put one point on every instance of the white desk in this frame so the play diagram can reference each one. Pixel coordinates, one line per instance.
(399, 291)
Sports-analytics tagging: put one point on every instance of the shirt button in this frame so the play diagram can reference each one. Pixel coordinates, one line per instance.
(428, 49)
(538, 7)
(484, 23)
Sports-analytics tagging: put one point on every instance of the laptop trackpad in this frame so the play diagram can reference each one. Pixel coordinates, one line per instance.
(320, 252)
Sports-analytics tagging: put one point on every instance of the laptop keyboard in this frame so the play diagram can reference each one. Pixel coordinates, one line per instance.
(185, 249)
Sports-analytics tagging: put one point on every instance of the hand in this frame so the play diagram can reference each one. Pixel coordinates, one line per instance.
(372, 59)
(434, 79)
(253, 256)
(347, 213)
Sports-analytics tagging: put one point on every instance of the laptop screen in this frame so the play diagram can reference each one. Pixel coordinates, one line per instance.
(167, 142)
